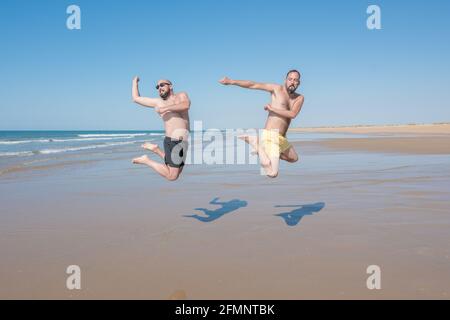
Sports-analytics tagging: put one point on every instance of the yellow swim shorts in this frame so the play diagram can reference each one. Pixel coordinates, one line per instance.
(274, 143)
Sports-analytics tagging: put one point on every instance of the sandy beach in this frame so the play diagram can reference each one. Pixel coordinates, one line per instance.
(402, 139)
(414, 129)
(403, 145)
(358, 197)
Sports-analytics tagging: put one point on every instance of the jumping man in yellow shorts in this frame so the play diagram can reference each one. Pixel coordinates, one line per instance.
(285, 106)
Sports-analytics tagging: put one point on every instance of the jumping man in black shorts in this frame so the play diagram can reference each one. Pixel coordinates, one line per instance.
(173, 109)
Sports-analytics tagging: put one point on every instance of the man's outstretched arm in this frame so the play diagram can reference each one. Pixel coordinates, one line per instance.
(247, 84)
(290, 114)
(143, 101)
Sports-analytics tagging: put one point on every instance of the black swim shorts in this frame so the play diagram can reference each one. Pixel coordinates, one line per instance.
(175, 152)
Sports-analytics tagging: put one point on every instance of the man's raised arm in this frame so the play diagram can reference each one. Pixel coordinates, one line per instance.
(143, 101)
(249, 84)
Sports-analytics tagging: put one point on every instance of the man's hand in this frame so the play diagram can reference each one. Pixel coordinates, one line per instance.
(225, 81)
(268, 107)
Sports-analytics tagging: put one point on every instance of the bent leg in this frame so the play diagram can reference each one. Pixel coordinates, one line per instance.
(160, 168)
(290, 155)
(270, 164)
(174, 173)
(154, 148)
(258, 148)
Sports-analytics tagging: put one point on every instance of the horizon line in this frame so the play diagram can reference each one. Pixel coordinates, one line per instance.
(315, 127)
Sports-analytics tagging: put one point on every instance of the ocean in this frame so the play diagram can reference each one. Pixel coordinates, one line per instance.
(29, 143)
(21, 149)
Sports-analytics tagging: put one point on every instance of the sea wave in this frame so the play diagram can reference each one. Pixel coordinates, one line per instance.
(15, 154)
(52, 151)
(112, 135)
(80, 139)
(94, 146)
(23, 141)
(89, 139)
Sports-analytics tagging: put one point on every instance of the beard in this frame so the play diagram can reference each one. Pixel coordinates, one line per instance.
(291, 89)
(164, 95)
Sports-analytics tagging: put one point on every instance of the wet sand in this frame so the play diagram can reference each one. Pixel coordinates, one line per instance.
(311, 233)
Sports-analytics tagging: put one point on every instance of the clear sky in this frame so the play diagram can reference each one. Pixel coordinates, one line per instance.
(55, 78)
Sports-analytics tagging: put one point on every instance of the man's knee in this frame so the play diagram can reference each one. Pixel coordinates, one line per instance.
(173, 175)
(290, 157)
(172, 178)
(293, 159)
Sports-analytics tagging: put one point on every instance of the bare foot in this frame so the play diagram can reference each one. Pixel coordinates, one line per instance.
(150, 146)
(251, 140)
(141, 160)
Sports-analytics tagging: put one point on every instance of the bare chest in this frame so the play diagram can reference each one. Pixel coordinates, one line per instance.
(170, 102)
(282, 101)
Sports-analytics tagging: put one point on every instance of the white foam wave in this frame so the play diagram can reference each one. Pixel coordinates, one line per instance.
(89, 139)
(15, 154)
(23, 141)
(95, 146)
(82, 138)
(112, 135)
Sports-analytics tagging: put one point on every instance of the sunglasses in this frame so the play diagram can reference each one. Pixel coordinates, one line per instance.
(162, 85)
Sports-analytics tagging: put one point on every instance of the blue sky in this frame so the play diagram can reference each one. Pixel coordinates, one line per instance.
(55, 78)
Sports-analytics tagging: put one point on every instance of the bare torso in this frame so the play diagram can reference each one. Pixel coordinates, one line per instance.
(280, 100)
(176, 124)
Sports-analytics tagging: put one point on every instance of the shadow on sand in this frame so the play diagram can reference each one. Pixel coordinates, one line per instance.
(292, 218)
(226, 207)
